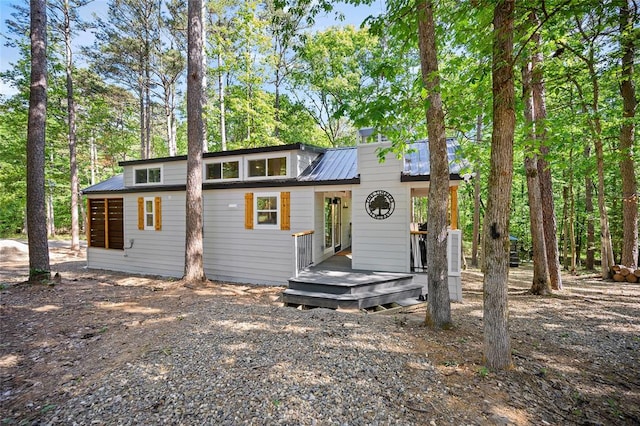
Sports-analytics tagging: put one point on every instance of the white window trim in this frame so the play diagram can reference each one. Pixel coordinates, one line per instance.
(153, 212)
(257, 225)
(147, 169)
(240, 170)
(248, 158)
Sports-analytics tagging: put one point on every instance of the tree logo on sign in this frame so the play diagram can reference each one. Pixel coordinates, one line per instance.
(380, 204)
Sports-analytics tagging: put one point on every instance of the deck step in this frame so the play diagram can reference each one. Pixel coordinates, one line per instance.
(358, 300)
(338, 282)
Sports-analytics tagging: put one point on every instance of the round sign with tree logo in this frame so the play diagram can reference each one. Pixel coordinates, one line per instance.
(380, 204)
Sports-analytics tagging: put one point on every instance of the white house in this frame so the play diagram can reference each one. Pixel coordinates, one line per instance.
(269, 213)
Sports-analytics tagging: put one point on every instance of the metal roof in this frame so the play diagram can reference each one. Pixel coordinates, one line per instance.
(115, 183)
(340, 165)
(334, 164)
(416, 160)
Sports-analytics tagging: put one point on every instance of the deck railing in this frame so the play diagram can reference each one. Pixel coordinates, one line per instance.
(303, 249)
(418, 251)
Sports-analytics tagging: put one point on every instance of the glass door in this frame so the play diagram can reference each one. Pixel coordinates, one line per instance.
(333, 224)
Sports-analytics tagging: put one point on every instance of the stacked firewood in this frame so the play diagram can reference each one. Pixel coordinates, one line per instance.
(622, 273)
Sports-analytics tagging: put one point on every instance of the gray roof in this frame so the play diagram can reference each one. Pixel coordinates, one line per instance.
(334, 165)
(340, 165)
(416, 160)
(115, 183)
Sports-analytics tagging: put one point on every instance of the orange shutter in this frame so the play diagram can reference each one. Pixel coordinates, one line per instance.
(454, 207)
(140, 213)
(285, 211)
(248, 210)
(158, 213)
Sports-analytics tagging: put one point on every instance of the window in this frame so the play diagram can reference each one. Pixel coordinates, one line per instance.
(264, 167)
(267, 210)
(148, 175)
(106, 223)
(223, 170)
(149, 213)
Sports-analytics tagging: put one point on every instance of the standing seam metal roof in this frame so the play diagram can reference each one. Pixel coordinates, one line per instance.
(341, 164)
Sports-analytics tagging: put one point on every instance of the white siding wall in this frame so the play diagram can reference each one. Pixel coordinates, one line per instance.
(153, 252)
(381, 245)
(260, 256)
(173, 172)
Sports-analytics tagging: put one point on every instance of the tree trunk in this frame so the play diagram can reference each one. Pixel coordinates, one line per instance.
(544, 171)
(71, 120)
(564, 231)
(194, 247)
(223, 123)
(627, 167)
(572, 216)
(606, 248)
(588, 209)
(497, 347)
(439, 303)
(39, 266)
(93, 154)
(141, 108)
(169, 96)
(540, 283)
(476, 201)
(203, 93)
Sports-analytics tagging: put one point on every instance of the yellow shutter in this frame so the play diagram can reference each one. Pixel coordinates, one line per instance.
(285, 211)
(248, 210)
(454, 207)
(140, 213)
(158, 215)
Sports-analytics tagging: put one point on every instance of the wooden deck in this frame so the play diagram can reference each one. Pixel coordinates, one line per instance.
(333, 284)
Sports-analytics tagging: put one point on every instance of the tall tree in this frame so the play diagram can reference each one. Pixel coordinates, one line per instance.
(549, 224)
(497, 347)
(628, 37)
(287, 21)
(39, 266)
(439, 304)
(194, 247)
(540, 283)
(169, 65)
(330, 77)
(125, 44)
(69, 15)
(590, 29)
(476, 200)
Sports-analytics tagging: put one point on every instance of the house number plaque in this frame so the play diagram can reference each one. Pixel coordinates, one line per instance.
(380, 204)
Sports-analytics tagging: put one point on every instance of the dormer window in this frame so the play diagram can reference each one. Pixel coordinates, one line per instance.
(148, 175)
(223, 170)
(267, 167)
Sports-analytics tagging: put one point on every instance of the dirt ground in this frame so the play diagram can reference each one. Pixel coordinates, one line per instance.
(576, 353)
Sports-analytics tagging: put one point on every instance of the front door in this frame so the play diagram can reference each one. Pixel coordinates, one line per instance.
(333, 224)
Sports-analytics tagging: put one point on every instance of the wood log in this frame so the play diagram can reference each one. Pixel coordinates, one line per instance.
(637, 272)
(631, 278)
(619, 278)
(616, 268)
(624, 271)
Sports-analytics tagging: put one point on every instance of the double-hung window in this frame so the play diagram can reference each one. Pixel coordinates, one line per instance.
(268, 210)
(149, 213)
(148, 175)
